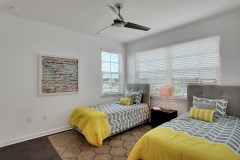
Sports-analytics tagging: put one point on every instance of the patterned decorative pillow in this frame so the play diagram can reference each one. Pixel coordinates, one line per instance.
(221, 108)
(130, 95)
(202, 114)
(125, 101)
(135, 96)
(220, 104)
(204, 105)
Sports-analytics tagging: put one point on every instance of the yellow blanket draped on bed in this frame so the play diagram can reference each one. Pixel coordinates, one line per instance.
(167, 144)
(93, 124)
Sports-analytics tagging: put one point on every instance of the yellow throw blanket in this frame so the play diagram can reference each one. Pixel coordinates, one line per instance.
(166, 144)
(93, 124)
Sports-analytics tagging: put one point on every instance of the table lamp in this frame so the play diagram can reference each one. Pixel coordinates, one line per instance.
(166, 91)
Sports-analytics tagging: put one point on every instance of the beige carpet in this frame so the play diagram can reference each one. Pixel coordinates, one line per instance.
(71, 145)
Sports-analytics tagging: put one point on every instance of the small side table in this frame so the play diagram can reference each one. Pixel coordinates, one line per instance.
(161, 116)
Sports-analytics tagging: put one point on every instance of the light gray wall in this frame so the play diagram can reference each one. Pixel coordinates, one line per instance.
(21, 40)
(227, 26)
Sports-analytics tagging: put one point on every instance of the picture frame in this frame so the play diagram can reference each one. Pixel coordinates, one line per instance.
(58, 75)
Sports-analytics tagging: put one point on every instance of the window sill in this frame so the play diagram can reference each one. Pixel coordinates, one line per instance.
(111, 94)
(171, 99)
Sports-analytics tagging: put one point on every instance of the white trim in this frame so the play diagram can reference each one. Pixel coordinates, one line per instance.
(120, 65)
(117, 94)
(170, 99)
(111, 51)
(33, 136)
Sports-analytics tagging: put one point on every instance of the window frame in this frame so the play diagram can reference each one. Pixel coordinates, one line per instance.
(111, 93)
(169, 70)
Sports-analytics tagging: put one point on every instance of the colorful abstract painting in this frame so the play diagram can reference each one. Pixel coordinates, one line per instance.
(58, 75)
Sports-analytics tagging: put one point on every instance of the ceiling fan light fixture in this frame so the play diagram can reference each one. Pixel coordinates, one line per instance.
(118, 25)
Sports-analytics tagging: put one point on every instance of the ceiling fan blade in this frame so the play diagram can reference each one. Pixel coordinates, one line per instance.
(104, 29)
(136, 26)
(113, 13)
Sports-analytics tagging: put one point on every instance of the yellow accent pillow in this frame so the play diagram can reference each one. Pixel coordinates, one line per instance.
(202, 114)
(125, 101)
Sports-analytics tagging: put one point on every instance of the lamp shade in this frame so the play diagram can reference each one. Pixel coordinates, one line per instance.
(165, 91)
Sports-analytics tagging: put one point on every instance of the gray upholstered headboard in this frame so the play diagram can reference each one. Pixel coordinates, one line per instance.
(145, 88)
(232, 93)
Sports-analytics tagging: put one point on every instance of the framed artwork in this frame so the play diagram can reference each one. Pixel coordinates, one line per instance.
(58, 75)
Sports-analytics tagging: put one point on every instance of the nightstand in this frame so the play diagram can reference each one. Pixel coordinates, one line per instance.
(161, 116)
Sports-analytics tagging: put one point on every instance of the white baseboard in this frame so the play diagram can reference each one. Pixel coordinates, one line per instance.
(32, 136)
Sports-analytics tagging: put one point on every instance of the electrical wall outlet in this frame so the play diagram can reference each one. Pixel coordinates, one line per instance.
(29, 120)
(44, 118)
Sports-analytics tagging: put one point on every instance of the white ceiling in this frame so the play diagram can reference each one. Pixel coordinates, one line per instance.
(90, 16)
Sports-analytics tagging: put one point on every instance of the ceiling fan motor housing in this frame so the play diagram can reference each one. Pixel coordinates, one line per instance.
(118, 23)
(119, 6)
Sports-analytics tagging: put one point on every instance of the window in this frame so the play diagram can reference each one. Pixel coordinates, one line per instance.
(195, 62)
(110, 73)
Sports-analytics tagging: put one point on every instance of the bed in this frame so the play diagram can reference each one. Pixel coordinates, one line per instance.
(112, 118)
(184, 138)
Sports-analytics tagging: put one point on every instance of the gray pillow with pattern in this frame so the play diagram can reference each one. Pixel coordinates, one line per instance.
(135, 96)
(130, 95)
(220, 105)
(204, 105)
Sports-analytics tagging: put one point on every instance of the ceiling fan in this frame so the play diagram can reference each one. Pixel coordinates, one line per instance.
(118, 20)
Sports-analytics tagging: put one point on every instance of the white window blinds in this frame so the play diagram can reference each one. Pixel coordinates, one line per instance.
(195, 62)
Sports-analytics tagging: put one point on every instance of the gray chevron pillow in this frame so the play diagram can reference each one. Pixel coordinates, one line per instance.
(130, 95)
(204, 105)
(135, 96)
(220, 105)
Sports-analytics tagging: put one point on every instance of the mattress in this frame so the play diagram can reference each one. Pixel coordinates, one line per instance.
(121, 117)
